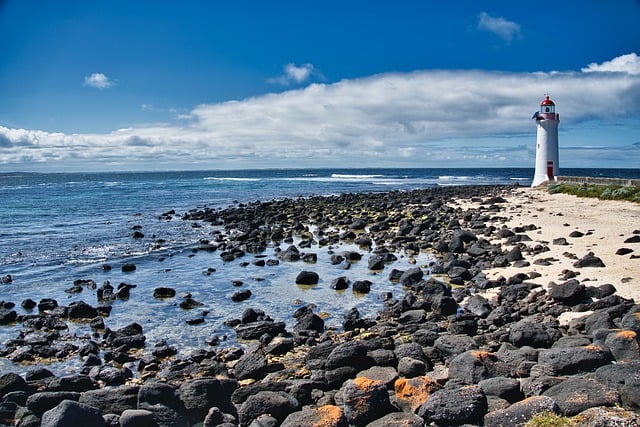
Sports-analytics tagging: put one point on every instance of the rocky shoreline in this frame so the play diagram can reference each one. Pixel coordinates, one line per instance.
(456, 348)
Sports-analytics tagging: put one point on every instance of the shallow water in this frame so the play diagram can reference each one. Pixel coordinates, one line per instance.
(57, 228)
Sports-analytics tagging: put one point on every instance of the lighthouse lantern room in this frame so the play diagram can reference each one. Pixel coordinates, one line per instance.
(547, 121)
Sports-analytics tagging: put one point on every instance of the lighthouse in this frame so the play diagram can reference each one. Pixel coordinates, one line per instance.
(547, 121)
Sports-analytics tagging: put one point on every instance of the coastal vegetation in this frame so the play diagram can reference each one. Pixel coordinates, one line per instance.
(605, 192)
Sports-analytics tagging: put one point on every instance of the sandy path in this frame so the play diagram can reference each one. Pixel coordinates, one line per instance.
(605, 224)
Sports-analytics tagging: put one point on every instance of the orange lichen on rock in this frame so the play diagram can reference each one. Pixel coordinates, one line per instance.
(330, 415)
(364, 383)
(627, 335)
(481, 355)
(414, 392)
(594, 347)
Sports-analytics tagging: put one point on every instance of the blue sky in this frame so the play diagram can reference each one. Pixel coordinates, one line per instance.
(124, 85)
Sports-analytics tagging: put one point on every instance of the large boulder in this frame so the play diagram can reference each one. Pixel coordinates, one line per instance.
(351, 353)
(573, 360)
(252, 364)
(11, 382)
(111, 400)
(69, 413)
(473, 366)
(576, 394)
(365, 400)
(39, 403)
(529, 333)
(201, 394)
(278, 404)
(455, 406)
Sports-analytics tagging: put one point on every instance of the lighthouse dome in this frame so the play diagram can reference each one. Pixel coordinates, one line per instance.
(547, 101)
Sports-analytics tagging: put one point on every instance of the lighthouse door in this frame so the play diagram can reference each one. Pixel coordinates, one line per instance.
(550, 170)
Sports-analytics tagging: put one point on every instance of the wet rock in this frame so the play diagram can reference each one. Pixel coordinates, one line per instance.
(81, 310)
(340, 283)
(47, 304)
(365, 400)
(307, 278)
(7, 316)
(163, 292)
(128, 268)
(576, 394)
(455, 406)
(291, 254)
(362, 286)
(518, 414)
(326, 416)
(71, 414)
(278, 404)
(573, 360)
(188, 302)
(241, 295)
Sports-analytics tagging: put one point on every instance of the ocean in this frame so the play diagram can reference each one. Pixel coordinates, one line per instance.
(56, 228)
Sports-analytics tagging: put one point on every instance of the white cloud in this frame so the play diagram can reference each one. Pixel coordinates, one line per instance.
(422, 119)
(98, 80)
(629, 63)
(507, 30)
(295, 74)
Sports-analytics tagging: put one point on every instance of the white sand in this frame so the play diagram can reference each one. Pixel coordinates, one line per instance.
(606, 224)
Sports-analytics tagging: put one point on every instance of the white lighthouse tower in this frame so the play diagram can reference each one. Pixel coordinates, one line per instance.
(546, 143)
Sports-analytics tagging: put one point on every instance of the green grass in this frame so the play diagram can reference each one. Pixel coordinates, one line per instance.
(630, 193)
(549, 419)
